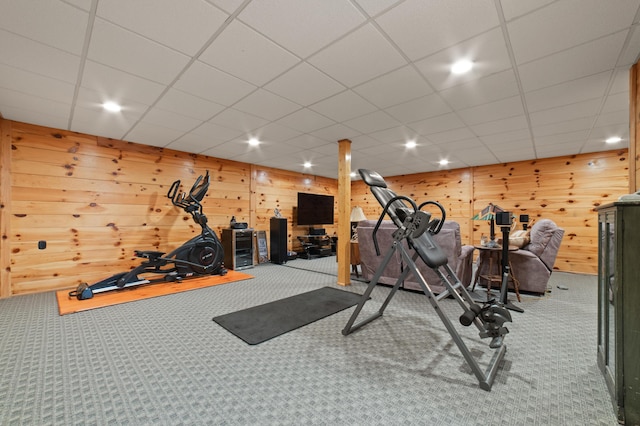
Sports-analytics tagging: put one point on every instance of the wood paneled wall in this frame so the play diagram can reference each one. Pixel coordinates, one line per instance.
(564, 189)
(94, 201)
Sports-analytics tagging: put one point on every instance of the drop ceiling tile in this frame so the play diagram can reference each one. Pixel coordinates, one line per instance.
(244, 53)
(307, 142)
(522, 154)
(576, 137)
(360, 56)
(372, 122)
(588, 108)
(421, 28)
(513, 137)
(53, 23)
(29, 108)
(234, 119)
(216, 133)
(400, 134)
(302, 27)
(29, 55)
(306, 121)
(503, 108)
(613, 118)
(192, 142)
(471, 156)
(514, 8)
(450, 136)
(620, 82)
(374, 7)
(213, 85)
(394, 88)
(304, 85)
(630, 50)
(556, 150)
(266, 105)
(437, 124)
(115, 85)
(487, 51)
(152, 134)
(562, 127)
(36, 85)
(565, 24)
(184, 26)
(188, 105)
(343, 106)
(571, 64)
(419, 109)
(518, 122)
(568, 93)
(227, 149)
(274, 132)
(172, 120)
(124, 50)
(90, 118)
(488, 89)
(335, 133)
(228, 6)
(328, 149)
(616, 102)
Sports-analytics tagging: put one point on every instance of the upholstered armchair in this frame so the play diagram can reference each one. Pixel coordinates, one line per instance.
(460, 257)
(532, 265)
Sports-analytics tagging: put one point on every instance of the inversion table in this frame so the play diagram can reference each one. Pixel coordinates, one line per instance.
(417, 228)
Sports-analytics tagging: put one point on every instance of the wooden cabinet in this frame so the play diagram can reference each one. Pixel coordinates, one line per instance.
(238, 248)
(619, 306)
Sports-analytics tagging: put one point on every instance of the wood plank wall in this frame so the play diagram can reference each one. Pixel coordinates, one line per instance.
(94, 201)
(564, 189)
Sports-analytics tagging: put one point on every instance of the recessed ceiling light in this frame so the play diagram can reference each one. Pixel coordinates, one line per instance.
(254, 142)
(462, 66)
(353, 174)
(443, 162)
(307, 164)
(411, 144)
(112, 107)
(613, 139)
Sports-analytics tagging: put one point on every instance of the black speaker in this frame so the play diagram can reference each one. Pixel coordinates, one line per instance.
(278, 240)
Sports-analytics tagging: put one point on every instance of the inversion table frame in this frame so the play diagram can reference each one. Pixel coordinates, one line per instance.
(417, 228)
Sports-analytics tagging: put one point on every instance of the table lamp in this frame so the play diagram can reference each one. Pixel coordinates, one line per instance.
(356, 216)
(489, 213)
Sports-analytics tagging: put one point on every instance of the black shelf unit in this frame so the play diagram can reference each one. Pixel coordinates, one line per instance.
(238, 248)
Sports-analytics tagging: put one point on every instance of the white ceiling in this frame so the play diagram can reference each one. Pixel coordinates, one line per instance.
(550, 77)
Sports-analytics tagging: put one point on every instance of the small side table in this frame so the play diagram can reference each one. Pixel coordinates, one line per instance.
(494, 255)
(355, 257)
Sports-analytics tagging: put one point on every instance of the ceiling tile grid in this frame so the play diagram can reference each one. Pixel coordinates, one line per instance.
(204, 76)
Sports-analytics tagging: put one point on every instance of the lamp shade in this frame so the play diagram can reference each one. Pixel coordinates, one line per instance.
(357, 214)
(488, 213)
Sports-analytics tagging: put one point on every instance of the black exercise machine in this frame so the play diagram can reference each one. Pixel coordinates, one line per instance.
(201, 255)
(417, 228)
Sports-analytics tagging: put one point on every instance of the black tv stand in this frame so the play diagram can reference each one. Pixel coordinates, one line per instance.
(315, 246)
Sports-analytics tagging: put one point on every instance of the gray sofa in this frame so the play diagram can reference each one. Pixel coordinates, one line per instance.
(460, 258)
(532, 265)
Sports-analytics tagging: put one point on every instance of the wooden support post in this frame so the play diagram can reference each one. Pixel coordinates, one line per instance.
(634, 128)
(5, 208)
(344, 212)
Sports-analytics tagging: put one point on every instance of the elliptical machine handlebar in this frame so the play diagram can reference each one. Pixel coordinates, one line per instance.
(196, 194)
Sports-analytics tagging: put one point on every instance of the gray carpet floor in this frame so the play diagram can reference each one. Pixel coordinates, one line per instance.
(164, 361)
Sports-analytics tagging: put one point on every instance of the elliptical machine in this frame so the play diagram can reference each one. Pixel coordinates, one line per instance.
(201, 255)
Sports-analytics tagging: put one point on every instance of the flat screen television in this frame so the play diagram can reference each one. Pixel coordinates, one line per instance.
(315, 209)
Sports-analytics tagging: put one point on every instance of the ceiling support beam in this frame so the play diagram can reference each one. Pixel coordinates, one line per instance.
(344, 212)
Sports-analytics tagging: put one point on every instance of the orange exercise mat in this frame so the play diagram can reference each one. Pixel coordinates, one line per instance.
(70, 305)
